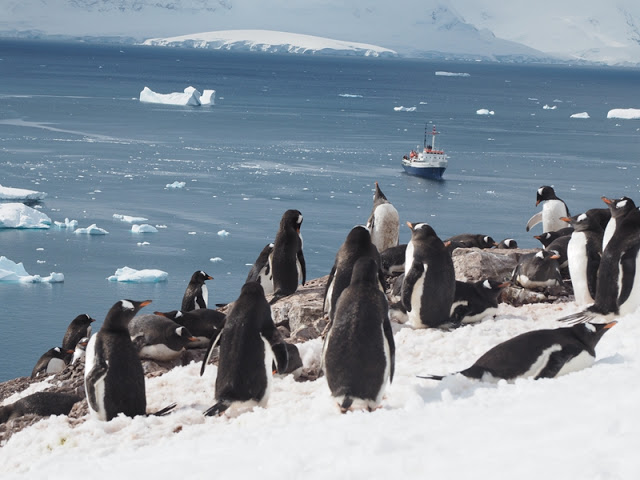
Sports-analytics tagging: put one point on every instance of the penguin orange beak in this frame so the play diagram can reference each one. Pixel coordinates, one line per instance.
(145, 303)
(610, 324)
(159, 313)
(192, 339)
(209, 277)
(555, 257)
(504, 284)
(410, 225)
(69, 351)
(537, 237)
(537, 202)
(606, 200)
(447, 243)
(565, 219)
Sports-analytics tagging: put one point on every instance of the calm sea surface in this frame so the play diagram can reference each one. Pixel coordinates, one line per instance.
(304, 132)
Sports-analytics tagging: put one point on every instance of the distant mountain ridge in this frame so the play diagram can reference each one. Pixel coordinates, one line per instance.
(546, 30)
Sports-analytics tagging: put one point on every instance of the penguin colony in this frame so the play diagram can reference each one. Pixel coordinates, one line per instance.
(601, 248)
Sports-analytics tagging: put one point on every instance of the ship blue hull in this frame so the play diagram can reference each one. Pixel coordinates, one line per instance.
(434, 173)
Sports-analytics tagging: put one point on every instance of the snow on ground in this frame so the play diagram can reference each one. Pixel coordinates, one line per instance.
(580, 426)
(190, 96)
(11, 271)
(484, 111)
(129, 218)
(92, 229)
(625, 113)
(144, 228)
(452, 74)
(270, 41)
(580, 115)
(176, 184)
(18, 215)
(131, 275)
(10, 193)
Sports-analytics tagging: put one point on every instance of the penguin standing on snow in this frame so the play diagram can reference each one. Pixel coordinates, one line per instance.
(196, 295)
(359, 351)
(261, 270)
(539, 354)
(538, 270)
(113, 374)
(552, 210)
(618, 283)
(357, 245)
(248, 343)
(384, 222)
(52, 361)
(583, 253)
(475, 301)
(429, 284)
(287, 260)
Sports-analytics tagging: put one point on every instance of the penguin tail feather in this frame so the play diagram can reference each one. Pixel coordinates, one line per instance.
(346, 404)
(580, 317)
(217, 409)
(163, 411)
(431, 377)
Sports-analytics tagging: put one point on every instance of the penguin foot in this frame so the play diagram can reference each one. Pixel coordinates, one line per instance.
(217, 409)
(431, 377)
(163, 411)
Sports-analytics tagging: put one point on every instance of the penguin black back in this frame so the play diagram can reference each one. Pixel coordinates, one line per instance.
(79, 328)
(41, 404)
(261, 270)
(287, 260)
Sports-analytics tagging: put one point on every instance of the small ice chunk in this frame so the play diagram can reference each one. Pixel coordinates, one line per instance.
(216, 260)
(176, 184)
(223, 233)
(18, 215)
(208, 97)
(129, 219)
(91, 230)
(144, 228)
(131, 275)
(549, 107)
(452, 74)
(190, 96)
(405, 109)
(580, 115)
(70, 224)
(143, 244)
(485, 111)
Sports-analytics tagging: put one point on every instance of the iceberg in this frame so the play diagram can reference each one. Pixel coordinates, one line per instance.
(190, 96)
(15, 272)
(484, 111)
(624, 113)
(129, 219)
(18, 215)
(452, 74)
(580, 115)
(10, 193)
(91, 230)
(131, 275)
(176, 184)
(144, 228)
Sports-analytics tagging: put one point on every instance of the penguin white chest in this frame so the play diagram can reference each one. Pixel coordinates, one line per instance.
(415, 315)
(577, 363)
(577, 257)
(205, 296)
(552, 210)
(98, 408)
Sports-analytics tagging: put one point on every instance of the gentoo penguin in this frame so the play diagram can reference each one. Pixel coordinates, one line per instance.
(204, 324)
(547, 238)
(537, 270)
(359, 352)
(287, 260)
(79, 328)
(384, 222)
(196, 295)
(618, 285)
(429, 284)
(583, 253)
(261, 270)
(393, 259)
(470, 240)
(158, 338)
(248, 343)
(507, 243)
(552, 210)
(357, 245)
(52, 361)
(113, 375)
(559, 247)
(41, 404)
(80, 350)
(618, 208)
(475, 301)
(539, 354)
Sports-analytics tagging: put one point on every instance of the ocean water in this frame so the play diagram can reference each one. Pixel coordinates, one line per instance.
(304, 132)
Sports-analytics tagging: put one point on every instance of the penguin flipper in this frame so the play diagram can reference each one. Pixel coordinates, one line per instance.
(410, 279)
(388, 333)
(533, 221)
(303, 266)
(580, 317)
(628, 267)
(556, 361)
(200, 301)
(327, 287)
(431, 377)
(217, 409)
(163, 411)
(207, 356)
(92, 380)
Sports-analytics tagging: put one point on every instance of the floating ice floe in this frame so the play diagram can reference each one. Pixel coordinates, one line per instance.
(452, 74)
(91, 230)
(580, 115)
(484, 111)
(143, 244)
(176, 184)
(131, 275)
(70, 224)
(18, 215)
(549, 107)
(10, 193)
(15, 272)
(144, 228)
(216, 260)
(129, 219)
(349, 95)
(404, 109)
(190, 96)
(625, 113)
(223, 233)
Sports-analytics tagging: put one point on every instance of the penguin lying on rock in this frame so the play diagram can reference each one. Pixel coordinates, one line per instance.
(52, 361)
(475, 301)
(41, 404)
(538, 354)
(537, 270)
(204, 324)
(158, 338)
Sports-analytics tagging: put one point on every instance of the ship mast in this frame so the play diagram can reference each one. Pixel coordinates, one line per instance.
(433, 137)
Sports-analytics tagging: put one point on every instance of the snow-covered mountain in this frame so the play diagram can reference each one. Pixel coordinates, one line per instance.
(607, 32)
